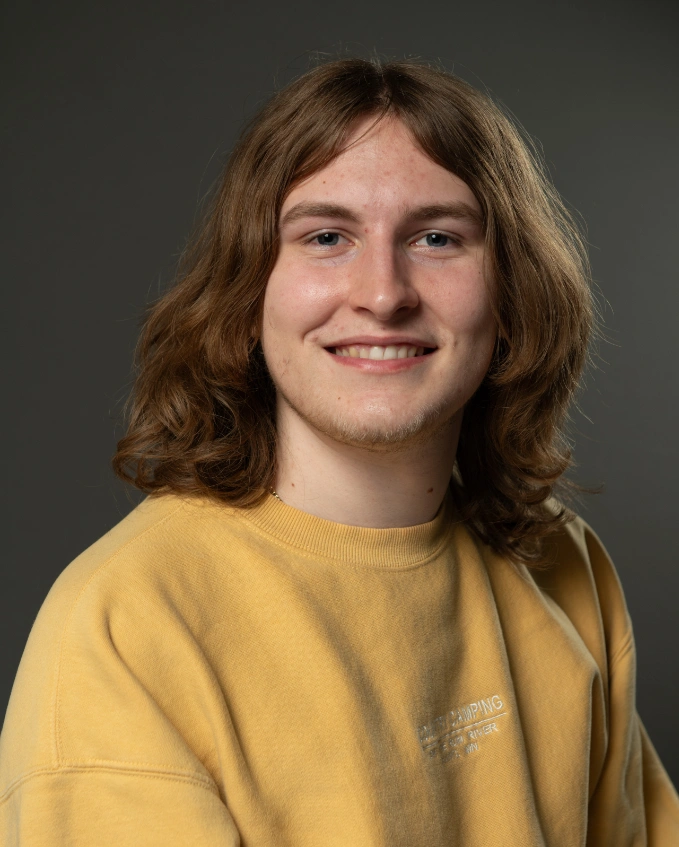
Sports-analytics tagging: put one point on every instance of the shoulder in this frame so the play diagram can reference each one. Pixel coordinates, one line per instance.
(164, 534)
(113, 620)
(148, 532)
(580, 577)
(165, 557)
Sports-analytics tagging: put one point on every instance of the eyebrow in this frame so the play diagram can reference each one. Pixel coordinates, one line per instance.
(319, 210)
(458, 210)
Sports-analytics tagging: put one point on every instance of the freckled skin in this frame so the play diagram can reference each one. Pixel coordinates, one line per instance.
(381, 279)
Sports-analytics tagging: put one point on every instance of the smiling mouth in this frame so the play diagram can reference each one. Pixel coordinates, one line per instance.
(378, 353)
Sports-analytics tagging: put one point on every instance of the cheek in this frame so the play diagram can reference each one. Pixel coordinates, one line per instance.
(296, 302)
(469, 308)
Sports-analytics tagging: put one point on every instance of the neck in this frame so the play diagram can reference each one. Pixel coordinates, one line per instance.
(363, 487)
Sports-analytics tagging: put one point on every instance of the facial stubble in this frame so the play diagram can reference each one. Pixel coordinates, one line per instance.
(425, 425)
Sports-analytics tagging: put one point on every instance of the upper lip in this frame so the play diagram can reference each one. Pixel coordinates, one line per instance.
(388, 341)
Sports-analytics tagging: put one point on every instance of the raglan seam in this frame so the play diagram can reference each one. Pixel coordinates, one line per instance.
(55, 719)
(147, 773)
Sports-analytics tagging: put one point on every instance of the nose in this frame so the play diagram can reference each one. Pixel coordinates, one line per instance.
(381, 283)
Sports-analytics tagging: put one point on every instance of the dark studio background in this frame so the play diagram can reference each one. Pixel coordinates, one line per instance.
(115, 121)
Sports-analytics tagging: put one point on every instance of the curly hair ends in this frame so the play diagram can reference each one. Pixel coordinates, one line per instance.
(202, 413)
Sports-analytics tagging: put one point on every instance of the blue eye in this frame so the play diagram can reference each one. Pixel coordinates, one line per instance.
(436, 239)
(327, 239)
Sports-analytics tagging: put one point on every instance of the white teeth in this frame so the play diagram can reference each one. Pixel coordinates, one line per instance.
(377, 353)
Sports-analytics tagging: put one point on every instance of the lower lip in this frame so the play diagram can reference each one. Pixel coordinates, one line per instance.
(380, 366)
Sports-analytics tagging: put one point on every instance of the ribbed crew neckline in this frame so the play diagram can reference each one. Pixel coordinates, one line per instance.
(392, 548)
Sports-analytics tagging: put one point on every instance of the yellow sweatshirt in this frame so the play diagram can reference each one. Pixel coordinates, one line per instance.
(211, 677)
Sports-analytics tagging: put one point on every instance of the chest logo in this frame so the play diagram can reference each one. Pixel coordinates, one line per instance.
(462, 730)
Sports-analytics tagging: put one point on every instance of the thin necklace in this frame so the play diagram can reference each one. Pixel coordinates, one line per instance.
(273, 491)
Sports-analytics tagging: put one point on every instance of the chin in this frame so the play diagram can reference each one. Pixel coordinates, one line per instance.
(379, 433)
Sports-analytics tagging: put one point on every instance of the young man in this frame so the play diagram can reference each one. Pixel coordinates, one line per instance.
(352, 611)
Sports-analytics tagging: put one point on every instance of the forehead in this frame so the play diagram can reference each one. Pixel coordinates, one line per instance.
(382, 167)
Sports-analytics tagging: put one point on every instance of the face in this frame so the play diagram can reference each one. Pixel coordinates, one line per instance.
(377, 326)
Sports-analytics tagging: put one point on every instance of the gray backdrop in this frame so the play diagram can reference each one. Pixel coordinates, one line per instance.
(116, 118)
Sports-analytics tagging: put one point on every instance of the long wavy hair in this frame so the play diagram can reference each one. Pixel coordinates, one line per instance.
(202, 412)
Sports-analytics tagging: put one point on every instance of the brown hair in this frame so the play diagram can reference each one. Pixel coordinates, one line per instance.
(201, 417)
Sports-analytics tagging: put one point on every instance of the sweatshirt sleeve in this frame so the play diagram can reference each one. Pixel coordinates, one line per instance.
(633, 802)
(108, 739)
(100, 806)
(661, 802)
